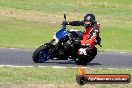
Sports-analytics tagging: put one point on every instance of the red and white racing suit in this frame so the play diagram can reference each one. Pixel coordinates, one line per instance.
(91, 34)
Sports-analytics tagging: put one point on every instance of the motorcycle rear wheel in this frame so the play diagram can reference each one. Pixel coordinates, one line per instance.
(92, 54)
(83, 60)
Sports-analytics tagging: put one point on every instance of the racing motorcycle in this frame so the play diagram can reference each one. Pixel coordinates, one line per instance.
(64, 45)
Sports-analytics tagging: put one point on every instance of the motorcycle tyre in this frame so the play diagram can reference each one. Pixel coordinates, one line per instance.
(36, 53)
(83, 60)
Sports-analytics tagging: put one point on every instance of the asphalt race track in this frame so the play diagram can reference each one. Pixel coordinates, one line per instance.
(23, 57)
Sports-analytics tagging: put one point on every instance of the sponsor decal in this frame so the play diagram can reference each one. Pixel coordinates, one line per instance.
(83, 78)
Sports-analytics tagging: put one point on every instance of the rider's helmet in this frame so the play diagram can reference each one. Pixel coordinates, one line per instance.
(89, 19)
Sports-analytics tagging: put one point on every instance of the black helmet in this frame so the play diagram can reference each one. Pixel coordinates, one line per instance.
(89, 18)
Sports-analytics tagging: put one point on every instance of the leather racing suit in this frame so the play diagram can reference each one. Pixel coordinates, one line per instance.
(91, 35)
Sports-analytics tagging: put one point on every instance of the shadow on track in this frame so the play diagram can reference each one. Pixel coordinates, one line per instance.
(64, 63)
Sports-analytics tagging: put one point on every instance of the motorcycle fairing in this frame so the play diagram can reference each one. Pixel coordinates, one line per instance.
(62, 35)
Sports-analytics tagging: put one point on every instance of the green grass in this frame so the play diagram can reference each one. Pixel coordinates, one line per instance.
(36, 75)
(56, 6)
(23, 34)
(48, 75)
(20, 26)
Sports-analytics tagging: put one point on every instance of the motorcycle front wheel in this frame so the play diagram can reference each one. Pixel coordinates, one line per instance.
(42, 54)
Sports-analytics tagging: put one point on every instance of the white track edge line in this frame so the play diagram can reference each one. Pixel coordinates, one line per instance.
(58, 67)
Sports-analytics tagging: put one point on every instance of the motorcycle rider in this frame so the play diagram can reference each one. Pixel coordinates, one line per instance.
(91, 35)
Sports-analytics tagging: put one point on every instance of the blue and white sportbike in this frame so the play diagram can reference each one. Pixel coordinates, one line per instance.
(64, 45)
